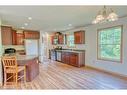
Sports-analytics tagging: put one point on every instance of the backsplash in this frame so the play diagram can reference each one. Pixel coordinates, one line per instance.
(77, 46)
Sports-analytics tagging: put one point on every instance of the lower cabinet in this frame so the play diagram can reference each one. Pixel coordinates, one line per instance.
(65, 57)
(74, 59)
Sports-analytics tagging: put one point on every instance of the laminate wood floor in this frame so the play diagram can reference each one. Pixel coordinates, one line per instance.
(56, 75)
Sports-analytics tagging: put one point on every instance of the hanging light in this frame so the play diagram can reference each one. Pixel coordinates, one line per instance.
(104, 15)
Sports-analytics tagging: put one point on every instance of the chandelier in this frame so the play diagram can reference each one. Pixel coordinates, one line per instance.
(105, 15)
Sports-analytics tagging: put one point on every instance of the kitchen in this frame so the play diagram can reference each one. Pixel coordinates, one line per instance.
(64, 53)
(24, 44)
(57, 54)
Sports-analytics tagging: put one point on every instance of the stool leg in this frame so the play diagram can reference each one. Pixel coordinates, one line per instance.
(16, 79)
(5, 78)
(25, 74)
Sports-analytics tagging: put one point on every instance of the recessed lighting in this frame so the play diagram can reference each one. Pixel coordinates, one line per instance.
(69, 24)
(22, 27)
(30, 18)
(25, 24)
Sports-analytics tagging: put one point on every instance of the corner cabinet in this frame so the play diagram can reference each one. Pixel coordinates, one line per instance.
(79, 37)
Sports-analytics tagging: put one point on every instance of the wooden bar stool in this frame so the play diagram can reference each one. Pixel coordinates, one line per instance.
(11, 67)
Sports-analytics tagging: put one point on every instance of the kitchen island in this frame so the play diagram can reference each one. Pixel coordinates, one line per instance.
(32, 66)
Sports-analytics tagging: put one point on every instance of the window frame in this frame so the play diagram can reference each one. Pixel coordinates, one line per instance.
(121, 45)
(68, 42)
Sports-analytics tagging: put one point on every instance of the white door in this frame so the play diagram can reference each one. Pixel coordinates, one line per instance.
(31, 47)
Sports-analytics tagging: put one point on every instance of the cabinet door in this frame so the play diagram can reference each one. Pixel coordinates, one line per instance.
(14, 37)
(20, 39)
(74, 59)
(52, 40)
(67, 57)
(31, 34)
(79, 37)
(63, 57)
(61, 39)
(6, 33)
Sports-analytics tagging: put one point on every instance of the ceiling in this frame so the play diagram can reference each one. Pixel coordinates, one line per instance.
(52, 18)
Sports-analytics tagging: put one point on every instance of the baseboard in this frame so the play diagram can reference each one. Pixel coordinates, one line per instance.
(108, 72)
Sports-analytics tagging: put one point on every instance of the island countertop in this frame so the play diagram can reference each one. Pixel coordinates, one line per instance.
(26, 57)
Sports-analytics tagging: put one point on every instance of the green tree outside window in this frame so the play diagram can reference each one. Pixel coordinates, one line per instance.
(109, 43)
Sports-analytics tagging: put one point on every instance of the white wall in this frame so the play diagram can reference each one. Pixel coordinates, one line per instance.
(91, 48)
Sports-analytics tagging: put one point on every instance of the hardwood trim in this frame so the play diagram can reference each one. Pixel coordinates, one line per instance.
(121, 51)
(108, 72)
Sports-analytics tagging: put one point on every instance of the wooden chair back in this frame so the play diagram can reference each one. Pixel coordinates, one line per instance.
(9, 62)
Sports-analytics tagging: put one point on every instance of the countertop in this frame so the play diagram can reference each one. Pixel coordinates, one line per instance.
(73, 51)
(26, 57)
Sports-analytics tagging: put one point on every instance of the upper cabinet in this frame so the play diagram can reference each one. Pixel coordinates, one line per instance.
(6, 33)
(31, 34)
(58, 38)
(61, 39)
(20, 38)
(14, 37)
(79, 37)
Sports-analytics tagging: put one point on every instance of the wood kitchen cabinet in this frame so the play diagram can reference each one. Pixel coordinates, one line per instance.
(61, 39)
(65, 57)
(14, 37)
(6, 34)
(52, 40)
(28, 34)
(58, 39)
(20, 39)
(74, 59)
(79, 37)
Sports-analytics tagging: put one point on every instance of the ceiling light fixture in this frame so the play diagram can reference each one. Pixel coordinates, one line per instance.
(25, 24)
(30, 18)
(69, 24)
(105, 15)
(22, 27)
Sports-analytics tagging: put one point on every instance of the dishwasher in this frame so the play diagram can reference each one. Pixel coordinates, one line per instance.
(59, 55)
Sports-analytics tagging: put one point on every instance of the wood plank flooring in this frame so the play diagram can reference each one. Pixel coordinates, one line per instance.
(56, 75)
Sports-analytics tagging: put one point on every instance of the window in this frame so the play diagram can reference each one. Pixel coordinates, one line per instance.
(109, 44)
(70, 40)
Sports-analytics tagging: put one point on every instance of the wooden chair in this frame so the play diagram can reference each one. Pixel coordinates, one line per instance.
(11, 67)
